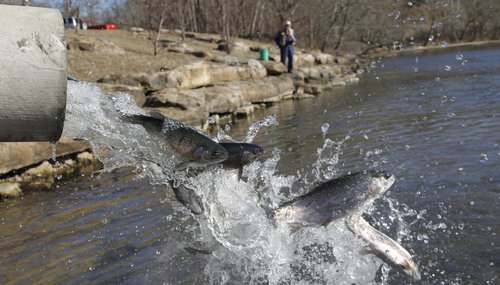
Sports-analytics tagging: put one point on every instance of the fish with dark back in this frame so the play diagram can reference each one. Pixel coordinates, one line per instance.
(194, 148)
(195, 151)
(348, 196)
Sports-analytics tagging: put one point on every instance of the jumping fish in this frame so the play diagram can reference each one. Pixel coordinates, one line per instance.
(348, 196)
(383, 246)
(194, 148)
(334, 199)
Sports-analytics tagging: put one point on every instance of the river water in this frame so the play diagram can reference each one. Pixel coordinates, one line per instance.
(431, 119)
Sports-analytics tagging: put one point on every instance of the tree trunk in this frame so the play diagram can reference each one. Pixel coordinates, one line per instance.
(343, 26)
(256, 16)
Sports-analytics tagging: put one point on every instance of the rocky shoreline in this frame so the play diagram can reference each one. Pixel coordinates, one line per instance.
(226, 86)
(39, 165)
(210, 84)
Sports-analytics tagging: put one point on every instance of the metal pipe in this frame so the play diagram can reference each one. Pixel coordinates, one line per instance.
(32, 74)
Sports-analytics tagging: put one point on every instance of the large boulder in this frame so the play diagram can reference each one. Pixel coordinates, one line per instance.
(189, 76)
(201, 74)
(266, 90)
(173, 97)
(274, 67)
(321, 72)
(225, 97)
(304, 60)
(19, 155)
(323, 58)
(257, 70)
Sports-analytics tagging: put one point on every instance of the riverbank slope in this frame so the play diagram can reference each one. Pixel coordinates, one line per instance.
(192, 80)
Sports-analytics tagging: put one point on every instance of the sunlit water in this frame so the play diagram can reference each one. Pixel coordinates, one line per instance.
(431, 120)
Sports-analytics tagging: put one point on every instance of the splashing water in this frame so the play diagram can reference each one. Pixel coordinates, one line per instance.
(246, 245)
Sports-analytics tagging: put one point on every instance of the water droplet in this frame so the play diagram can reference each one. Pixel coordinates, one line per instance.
(484, 158)
(437, 78)
(325, 111)
(407, 147)
(104, 221)
(365, 137)
(158, 252)
(227, 128)
(472, 203)
(447, 67)
(459, 56)
(444, 44)
(451, 115)
(324, 128)
(461, 226)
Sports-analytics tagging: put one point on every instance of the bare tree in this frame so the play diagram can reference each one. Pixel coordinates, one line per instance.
(92, 9)
(324, 24)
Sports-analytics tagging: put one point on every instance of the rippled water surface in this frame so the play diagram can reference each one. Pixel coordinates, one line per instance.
(430, 119)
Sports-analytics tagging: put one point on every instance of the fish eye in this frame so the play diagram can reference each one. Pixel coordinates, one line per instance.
(215, 153)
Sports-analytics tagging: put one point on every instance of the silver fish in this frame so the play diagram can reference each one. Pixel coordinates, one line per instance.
(334, 199)
(348, 196)
(194, 148)
(383, 246)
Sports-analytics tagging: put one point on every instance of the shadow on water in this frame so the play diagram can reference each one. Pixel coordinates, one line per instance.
(431, 120)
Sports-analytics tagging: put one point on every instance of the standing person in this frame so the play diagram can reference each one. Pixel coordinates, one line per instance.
(285, 39)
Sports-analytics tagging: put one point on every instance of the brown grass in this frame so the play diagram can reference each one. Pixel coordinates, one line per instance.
(138, 57)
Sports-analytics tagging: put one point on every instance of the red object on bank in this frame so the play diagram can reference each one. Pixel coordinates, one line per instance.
(107, 26)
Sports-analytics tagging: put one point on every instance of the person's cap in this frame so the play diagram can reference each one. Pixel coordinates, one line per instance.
(288, 23)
